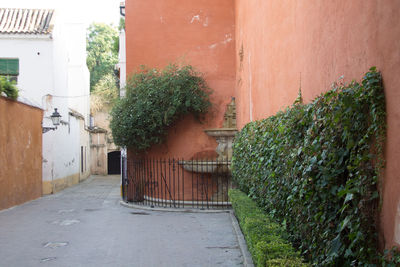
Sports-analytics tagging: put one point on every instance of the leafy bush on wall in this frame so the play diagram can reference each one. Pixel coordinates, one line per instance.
(154, 101)
(315, 169)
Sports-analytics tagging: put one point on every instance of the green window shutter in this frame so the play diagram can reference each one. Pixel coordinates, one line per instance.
(9, 66)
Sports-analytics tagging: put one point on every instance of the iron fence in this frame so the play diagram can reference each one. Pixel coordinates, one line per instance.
(201, 184)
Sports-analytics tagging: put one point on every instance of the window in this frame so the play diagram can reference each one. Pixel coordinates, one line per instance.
(85, 158)
(9, 67)
(82, 159)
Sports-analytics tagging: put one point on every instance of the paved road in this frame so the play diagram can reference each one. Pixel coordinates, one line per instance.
(85, 226)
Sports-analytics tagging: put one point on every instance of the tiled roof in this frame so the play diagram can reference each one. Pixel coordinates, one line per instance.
(26, 21)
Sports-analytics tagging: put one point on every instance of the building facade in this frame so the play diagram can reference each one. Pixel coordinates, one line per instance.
(50, 54)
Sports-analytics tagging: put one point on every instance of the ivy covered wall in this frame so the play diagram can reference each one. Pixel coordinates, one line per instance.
(315, 168)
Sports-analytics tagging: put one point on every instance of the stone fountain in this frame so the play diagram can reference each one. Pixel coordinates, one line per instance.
(224, 137)
(220, 168)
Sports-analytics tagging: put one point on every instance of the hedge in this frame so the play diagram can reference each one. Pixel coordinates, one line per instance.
(264, 237)
(315, 169)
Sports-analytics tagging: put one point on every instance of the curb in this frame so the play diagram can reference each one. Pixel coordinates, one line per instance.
(247, 260)
(183, 210)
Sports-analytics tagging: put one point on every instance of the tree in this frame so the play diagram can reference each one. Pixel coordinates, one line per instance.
(104, 94)
(102, 53)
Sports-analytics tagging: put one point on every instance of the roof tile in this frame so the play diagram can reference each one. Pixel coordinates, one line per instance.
(26, 21)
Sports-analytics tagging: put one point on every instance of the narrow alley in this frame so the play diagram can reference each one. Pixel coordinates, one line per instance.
(85, 225)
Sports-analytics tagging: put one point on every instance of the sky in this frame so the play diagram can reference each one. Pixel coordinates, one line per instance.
(106, 11)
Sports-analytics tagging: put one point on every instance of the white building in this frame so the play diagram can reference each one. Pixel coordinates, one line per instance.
(122, 59)
(46, 54)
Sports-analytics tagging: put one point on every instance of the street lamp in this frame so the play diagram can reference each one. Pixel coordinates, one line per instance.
(55, 118)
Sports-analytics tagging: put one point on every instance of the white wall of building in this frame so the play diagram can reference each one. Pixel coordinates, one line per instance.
(72, 90)
(122, 62)
(35, 66)
(78, 73)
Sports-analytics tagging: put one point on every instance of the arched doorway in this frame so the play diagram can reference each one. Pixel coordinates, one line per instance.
(114, 162)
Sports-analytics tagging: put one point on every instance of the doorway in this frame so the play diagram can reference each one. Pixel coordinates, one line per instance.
(114, 162)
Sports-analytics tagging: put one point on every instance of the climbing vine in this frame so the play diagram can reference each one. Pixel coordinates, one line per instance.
(315, 168)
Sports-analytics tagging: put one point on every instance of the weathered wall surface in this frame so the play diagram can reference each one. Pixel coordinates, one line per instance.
(282, 45)
(85, 151)
(196, 32)
(102, 120)
(98, 152)
(101, 142)
(20, 153)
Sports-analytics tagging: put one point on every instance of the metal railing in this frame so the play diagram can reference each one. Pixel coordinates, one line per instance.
(200, 184)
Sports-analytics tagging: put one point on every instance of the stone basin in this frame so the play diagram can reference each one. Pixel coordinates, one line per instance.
(224, 137)
(221, 132)
(206, 166)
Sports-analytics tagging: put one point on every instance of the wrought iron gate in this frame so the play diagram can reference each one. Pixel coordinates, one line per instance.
(175, 183)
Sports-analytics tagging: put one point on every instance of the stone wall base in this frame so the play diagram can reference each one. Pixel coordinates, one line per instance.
(51, 187)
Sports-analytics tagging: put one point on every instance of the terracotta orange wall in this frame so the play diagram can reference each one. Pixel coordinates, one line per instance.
(284, 44)
(20, 153)
(196, 32)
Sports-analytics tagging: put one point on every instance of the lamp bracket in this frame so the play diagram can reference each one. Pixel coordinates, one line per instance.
(46, 129)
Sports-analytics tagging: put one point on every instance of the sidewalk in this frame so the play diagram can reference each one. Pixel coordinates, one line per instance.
(86, 226)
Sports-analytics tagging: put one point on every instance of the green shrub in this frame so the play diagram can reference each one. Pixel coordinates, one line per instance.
(291, 262)
(315, 168)
(265, 239)
(9, 88)
(154, 101)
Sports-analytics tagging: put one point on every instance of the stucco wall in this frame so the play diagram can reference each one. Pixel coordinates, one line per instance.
(282, 45)
(85, 148)
(102, 119)
(61, 155)
(196, 32)
(74, 34)
(20, 153)
(62, 148)
(98, 152)
(35, 66)
(122, 62)
(101, 142)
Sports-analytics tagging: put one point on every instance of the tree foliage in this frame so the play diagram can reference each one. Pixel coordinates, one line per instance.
(315, 168)
(102, 51)
(104, 94)
(154, 101)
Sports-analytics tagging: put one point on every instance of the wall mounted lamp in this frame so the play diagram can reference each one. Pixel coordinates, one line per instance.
(55, 118)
